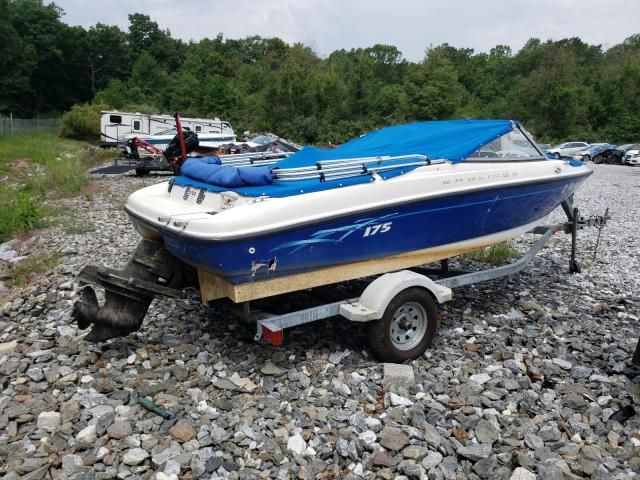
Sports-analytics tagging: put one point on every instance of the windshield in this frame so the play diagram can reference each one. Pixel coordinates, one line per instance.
(262, 139)
(510, 146)
(171, 131)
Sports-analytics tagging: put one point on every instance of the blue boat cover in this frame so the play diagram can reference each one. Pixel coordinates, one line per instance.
(211, 171)
(453, 140)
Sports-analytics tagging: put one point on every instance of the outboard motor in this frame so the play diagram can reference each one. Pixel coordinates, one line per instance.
(151, 271)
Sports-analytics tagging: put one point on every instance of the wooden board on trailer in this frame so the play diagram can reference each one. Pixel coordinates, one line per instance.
(214, 287)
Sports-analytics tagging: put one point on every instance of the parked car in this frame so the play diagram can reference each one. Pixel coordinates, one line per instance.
(615, 155)
(567, 149)
(593, 151)
(632, 156)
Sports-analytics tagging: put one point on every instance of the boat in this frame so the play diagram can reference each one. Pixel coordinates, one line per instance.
(248, 228)
(207, 140)
(429, 186)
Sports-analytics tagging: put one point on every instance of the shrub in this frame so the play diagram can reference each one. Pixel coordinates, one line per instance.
(19, 211)
(82, 122)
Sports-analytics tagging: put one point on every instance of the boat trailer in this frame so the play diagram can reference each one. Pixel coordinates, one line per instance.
(399, 306)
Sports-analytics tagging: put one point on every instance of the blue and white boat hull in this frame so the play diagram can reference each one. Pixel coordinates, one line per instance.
(443, 209)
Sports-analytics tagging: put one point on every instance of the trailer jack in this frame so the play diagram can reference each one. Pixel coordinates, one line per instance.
(128, 292)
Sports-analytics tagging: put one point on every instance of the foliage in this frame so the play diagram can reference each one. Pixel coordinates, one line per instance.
(35, 168)
(561, 90)
(497, 254)
(81, 122)
(20, 210)
(26, 270)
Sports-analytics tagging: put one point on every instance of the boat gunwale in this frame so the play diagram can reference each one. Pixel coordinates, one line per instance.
(198, 239)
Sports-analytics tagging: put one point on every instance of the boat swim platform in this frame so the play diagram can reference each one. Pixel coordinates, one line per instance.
(214, 287)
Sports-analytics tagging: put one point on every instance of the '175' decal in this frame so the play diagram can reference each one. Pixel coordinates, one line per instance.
(380, 228)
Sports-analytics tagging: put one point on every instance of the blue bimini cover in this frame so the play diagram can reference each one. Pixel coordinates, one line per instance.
(211, 171)
(453, 140)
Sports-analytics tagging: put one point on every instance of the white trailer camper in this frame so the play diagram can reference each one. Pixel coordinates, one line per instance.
(115, 125)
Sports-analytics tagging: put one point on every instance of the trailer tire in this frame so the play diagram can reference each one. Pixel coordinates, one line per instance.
(141, 172)
(407, 326)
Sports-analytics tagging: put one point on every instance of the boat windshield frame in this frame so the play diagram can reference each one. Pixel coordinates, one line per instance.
(532, 144)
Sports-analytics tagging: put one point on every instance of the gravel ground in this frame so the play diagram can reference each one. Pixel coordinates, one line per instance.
(523, 381)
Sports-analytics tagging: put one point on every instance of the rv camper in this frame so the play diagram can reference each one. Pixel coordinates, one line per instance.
(114, 125)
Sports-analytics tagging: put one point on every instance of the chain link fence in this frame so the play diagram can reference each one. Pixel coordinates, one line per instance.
(13, 126)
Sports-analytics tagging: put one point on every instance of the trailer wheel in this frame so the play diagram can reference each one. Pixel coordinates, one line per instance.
(141, 171)
(407, 327)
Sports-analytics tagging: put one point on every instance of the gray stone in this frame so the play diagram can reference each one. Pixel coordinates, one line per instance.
(410, 469)
(49, 420)
(397, 375)
(296, 444)
(35, 373)
(550, 433)
(392, 438)
(475, 451)
(486, 432)
(564, 364)
(415, 452)
(533, 441)
(431, 435)
(87, 435)
(72, 464)
(432, 460)
(574, 401)
(480, 378)
(134, 456)
(119, 430)
(521, 473)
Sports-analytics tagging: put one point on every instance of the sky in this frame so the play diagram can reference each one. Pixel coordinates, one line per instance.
(410, 25)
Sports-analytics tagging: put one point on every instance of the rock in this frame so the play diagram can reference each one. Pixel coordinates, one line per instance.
(271, 369)
(486, 432)
(296, 444)
(410, 469)
(415, 452)
(8, 347)
(564, 364)
(35, 373)
(480, 378)
(182, 432)
(382, 459)
(397, 375)
(49, 420)
(533, 441)
(432, 460)
(397, 400)
(574, 401)
(66, 331)
(393, 438)
(368, 437)
(212, 464)
(72, 464)
(475, 452)
(431, 435)
(521, 473)
(134, 456)
(87, 435)
(119, 430)
(550, 433)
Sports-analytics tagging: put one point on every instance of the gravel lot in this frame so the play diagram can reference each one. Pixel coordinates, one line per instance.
(523, 381)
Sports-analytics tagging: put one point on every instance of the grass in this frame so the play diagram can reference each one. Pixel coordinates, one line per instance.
(35, 168)
(497, 254)
(29, 268)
